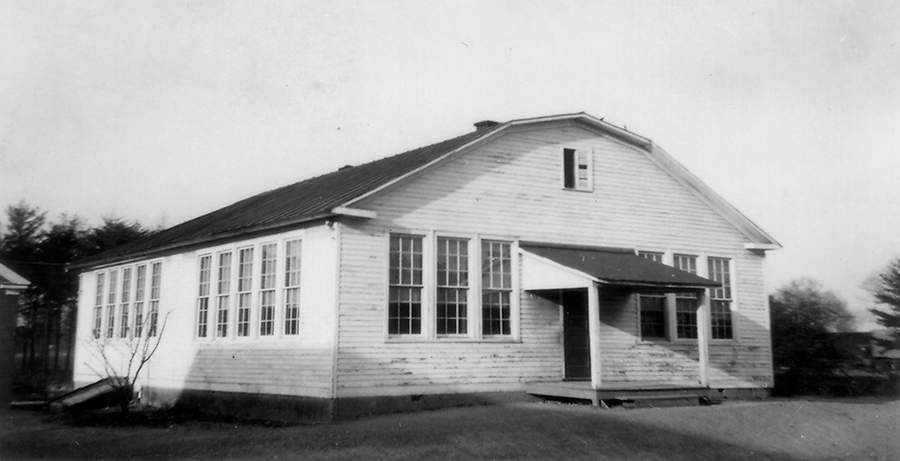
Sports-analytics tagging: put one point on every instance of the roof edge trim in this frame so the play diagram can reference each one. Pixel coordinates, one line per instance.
(162, 250)
(742, 223)
(15, 280)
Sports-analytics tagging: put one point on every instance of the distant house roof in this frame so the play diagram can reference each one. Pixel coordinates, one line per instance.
(11, 280)
(331, 194)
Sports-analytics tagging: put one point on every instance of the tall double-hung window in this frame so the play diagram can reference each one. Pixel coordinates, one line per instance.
(203, 296)
(405, 285)
(292, 287)
(496, 288)
(126, 299)
(111, 304)
(267, 290)
(140, 283)
(223, 290)
(155, 285)
(720, 299)
(653, 307)
(98, 305)
(452, 286)
(244, 287)
(686, 303)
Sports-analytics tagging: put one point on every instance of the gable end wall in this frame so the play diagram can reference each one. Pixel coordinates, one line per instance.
(512, 188)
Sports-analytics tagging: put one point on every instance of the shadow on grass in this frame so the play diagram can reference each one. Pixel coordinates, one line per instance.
(535, 431)
(155, 418)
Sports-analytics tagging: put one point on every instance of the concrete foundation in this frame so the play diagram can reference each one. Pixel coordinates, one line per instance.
(309, 409)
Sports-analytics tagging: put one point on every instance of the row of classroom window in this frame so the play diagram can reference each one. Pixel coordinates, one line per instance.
(406, 284)
(219, 297)
(124, 318)
(659, 311)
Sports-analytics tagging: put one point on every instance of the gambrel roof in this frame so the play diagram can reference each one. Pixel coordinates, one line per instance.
(332, 195)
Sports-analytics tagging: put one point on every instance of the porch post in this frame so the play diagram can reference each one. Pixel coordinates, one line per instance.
(703, 332)
(594, 331)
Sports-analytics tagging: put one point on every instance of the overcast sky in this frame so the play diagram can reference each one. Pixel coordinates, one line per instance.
(162, 111)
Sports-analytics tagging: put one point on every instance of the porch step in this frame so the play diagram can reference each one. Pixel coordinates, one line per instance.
(635, 396)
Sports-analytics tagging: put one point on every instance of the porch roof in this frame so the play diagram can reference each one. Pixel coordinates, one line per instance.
(549, 266)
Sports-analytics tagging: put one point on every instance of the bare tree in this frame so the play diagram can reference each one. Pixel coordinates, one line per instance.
(123, 358)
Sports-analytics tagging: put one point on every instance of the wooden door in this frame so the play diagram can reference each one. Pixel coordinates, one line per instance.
(576, 334)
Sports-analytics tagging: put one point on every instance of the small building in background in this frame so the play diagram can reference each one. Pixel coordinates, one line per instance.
(11, 287)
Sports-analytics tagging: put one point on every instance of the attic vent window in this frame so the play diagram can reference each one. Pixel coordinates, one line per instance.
(577, 169)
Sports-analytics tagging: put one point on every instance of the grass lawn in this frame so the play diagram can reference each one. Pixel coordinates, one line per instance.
(773, 429)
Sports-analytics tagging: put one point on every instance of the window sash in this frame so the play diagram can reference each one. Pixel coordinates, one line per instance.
(721, 318)
(496, 288)
(98, 321)
(405, 285)
(155, 287)
(452, 286)
(686, 303)
(138, 318)
(292, 311)
(292, 264)
(653, 316)
(202, 317)
(243, 314)
(140, 283)
(123, 314)
(267, 280)
(267, 313)
(110, 320)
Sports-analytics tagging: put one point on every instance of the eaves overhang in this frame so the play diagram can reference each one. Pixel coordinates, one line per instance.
(164, 250)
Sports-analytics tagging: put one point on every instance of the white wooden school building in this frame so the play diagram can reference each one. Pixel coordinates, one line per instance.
(557, 255)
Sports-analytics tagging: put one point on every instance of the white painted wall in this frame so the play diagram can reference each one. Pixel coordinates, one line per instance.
(292, 365)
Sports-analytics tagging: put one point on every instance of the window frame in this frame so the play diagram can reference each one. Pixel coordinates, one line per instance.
(242, 295)
(125, 302)
(267, 297)
(265, 288)
(99, 302)
(204, 294)
(224, 283)
(112, 306)
(154, 299)
(660, 257)
(733, 305)
(288, 288)
(424, 291)
(575, 165)
(678, 296)
(429, 298)
(469, 292)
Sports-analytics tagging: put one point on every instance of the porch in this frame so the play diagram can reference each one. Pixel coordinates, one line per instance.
(586, 282)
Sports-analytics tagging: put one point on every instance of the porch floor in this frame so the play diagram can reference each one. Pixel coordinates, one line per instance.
(618, 391)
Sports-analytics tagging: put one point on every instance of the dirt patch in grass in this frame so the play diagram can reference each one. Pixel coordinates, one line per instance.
(774, 429)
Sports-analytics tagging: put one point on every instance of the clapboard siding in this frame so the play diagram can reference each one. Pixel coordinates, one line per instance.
(368, 364)
(511, 188)
(301, 365)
